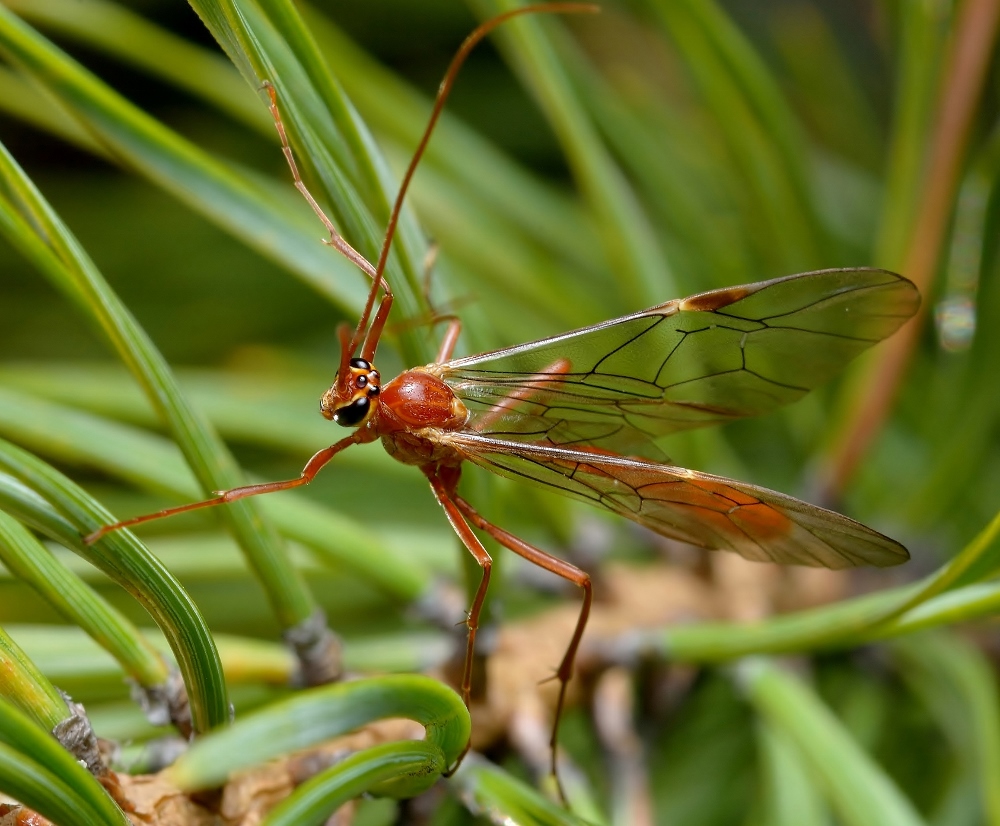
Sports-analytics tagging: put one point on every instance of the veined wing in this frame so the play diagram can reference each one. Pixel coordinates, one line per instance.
(713, 357)
(698, 508)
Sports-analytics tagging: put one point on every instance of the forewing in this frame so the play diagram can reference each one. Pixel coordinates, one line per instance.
(698, 508)
(713, 357)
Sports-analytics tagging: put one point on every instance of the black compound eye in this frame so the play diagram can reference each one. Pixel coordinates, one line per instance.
(361, 364)
(352, 414)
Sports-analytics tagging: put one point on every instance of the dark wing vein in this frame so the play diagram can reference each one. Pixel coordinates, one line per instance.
(699, 508)
(716, 356)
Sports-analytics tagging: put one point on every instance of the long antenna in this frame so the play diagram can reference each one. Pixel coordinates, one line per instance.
(444, 90)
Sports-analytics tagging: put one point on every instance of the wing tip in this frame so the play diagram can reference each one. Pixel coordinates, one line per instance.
(893, 553)
(715, 300)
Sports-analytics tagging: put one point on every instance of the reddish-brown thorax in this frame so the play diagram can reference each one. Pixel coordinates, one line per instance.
(417, 399)
(413, 402)
(403, 413)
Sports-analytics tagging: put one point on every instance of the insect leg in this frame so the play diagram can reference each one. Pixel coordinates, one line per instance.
(447, 346)
(430, 259)
(444, 492)
(309, 472)
(336, 239)
(450, 338)
(558, 567)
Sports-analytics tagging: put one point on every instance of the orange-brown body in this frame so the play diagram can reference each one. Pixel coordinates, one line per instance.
(422, 422)
(417, 401)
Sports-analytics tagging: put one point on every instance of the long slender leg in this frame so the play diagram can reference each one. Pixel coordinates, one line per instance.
(309, 472)
(451, 334)
(338, 242)
(430, 259)
(558, 567)
(444, 491)
(450, 338)
(336, 239)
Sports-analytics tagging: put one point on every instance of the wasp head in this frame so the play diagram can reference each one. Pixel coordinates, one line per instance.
(350, 402)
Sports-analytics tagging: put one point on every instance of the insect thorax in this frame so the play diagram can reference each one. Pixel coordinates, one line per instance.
(413, 408)
(419, 448)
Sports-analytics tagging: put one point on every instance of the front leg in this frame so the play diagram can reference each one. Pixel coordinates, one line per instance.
(313, 466)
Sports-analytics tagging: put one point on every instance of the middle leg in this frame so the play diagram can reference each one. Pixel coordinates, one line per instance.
(558, 567)
(444, 492)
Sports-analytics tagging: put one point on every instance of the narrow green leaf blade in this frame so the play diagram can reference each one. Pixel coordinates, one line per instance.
(402, 769)
(319, 714)
(858, 789)
(26, 557)
(51, 777)
(122, 557)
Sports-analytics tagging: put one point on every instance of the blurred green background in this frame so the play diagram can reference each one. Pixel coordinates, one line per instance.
(586, 167)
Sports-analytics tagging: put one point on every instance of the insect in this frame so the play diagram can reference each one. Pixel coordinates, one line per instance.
(578, 412)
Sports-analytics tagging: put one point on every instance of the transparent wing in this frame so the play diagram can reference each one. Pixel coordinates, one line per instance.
(713, 357)
(698, 508)
(610, 435)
